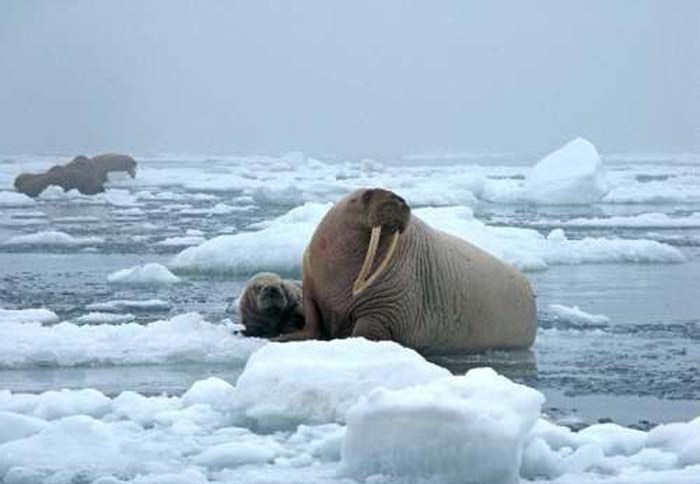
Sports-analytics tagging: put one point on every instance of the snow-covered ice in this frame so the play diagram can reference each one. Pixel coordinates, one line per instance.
(280, 243)
(571, 175)
(277, 247)
(574, 316)
(41, 316)
(147, 274)
(120, 305)
(184, 338)
(14, 199)
(104, 318)
(52, 238)
(315, 382)
(183, 241)
(459, 429)
(421, 426)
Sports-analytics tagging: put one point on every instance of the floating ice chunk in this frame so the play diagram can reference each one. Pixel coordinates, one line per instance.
(147, 274)
(233, 454)
(131, 305)
(184, 338)
(52, 238)
(186, 241)
(571, 175)
(577, 317)
(104, 318)
(42, 316)
(654, 193)
(277, 247)
(644, 220)
(215, 392)
(14, 426)
(119, 198)
(13, 199)
(194, 233)
(315, 382)
(462, 429)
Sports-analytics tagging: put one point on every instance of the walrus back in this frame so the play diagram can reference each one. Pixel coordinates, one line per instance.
(487, 303)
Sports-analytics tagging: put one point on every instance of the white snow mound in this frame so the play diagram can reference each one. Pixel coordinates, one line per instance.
(147, 274)
(314, 382)
(572, 175)
(42, 316)
(461, 429)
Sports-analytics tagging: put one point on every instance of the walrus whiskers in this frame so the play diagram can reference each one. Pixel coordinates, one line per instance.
(362, 282)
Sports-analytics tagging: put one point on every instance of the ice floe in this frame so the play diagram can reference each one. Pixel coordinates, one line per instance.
(571, 175)
(434, 427)
(41, 316)
(103, 318)
(280, 243)
(183, 241)
(14, 199)
(184, 338)
(119, 305)
(643, 220)
(52, 238)
(467, 429)
(279, 387)
(574, 316)
(147, 274)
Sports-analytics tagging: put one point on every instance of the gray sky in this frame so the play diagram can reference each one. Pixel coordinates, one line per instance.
(355, 78)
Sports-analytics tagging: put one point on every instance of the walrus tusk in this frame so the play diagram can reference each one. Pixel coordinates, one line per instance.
(362, 282)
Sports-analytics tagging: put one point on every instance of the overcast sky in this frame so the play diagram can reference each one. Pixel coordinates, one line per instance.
(357, 78)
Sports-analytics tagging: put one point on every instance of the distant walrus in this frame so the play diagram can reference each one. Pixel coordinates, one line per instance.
(86, 175)
(271, 306)
(429, 290)
(110, 162)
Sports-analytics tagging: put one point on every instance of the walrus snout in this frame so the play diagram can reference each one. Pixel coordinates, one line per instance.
(386, 209)
(271, 297)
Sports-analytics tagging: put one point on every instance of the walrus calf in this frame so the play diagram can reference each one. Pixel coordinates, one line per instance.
(84, 174)
(373, 269)
(271, 306)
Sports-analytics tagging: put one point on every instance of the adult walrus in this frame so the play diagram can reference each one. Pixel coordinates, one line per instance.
(373, 269)
(110, 162)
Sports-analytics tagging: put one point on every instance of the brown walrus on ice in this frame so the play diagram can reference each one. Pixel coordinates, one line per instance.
(86, 175)
(373, 269)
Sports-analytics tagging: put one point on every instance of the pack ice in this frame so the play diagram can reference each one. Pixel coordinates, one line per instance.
(347, 411)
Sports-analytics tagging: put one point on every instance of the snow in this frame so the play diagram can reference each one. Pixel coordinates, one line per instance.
(461, 429)
(387, 416)
(52, 238)
(13, 199)
(277, 247)
(643, 220)
(314, 382)
(577, 317)
(184, 338)
(185, 241)
(119, 305)
(41, 316)
(571, 175)
(147, 274)
(104, 318)
(280, 243)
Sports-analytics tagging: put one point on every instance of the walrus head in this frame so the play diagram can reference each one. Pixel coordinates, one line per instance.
(262, 305)
(30, 184)
(384, 212)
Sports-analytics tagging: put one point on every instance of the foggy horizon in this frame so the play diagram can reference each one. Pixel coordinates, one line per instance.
(361, 79)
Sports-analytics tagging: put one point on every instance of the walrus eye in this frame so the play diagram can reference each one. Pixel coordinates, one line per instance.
(362, 282)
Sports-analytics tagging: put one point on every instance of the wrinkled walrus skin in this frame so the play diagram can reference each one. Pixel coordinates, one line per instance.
(436, 294)
(86, 175)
